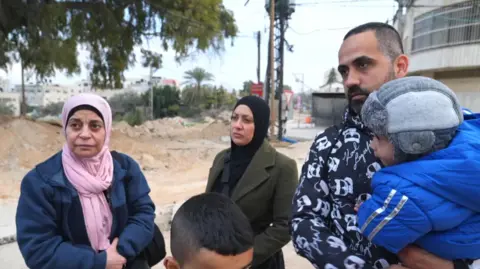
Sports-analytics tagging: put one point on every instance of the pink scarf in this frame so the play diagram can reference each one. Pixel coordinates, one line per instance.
(91, 176)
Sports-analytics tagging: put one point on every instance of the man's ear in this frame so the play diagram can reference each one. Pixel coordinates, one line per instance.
(170, 263)
(401, 66)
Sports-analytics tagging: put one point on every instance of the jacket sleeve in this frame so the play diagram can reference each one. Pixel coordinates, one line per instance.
(140, 225)
(392, 220)
(277, 236)
(39, 243)
(310, 227)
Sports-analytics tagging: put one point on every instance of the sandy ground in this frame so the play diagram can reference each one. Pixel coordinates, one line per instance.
(10, 255)
(176, 167)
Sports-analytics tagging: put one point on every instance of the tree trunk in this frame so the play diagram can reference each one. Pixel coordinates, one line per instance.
(23, 106)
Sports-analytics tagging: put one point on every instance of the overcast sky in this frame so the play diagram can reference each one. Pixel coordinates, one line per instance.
(316, 31)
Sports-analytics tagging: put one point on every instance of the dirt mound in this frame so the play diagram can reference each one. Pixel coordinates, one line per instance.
(175, 128)
(25, 142)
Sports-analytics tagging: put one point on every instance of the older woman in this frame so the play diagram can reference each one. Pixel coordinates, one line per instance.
(259, 179)
(82, 208)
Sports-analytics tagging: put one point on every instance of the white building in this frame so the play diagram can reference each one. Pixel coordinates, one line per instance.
(11, 99)
(37, 95)
(442, 39)
(159, 81)
(41, 95)
(34, 94)
(4, 85)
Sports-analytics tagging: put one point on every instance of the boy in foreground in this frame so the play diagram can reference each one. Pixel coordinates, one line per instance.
(209, 231)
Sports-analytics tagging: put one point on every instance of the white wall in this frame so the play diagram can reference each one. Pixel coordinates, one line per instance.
(12, 99)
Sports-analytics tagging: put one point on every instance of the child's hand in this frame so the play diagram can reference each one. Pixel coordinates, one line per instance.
(360, 199)
(357, 206)
(421, 259)
(396, 266)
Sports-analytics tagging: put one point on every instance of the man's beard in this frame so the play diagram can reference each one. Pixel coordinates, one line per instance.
(356, 105)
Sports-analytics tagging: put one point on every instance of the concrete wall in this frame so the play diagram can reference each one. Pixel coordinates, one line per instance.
(328, 108)
(446, 58)
(11, 99)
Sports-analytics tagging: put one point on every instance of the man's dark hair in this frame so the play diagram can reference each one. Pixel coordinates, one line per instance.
(389, 40)
(211, 221)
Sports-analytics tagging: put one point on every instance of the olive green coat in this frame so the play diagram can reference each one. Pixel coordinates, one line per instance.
(264, 193)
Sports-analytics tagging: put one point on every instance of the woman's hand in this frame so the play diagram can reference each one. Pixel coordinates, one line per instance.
(114, 260)
(417, 258)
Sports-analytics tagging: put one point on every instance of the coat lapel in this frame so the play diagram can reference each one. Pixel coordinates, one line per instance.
(256, 172)
(215, 171)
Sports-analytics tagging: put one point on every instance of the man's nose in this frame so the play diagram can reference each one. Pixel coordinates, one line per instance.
(352, 79)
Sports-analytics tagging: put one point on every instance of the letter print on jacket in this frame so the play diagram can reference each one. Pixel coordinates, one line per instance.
(337, 171)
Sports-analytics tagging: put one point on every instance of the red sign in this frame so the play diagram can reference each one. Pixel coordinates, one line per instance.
(288, 95)
(257, 89)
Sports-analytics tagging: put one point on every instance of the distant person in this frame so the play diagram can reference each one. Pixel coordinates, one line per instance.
(82, 208)
(209, 231)
(259, 179)
(428, 193)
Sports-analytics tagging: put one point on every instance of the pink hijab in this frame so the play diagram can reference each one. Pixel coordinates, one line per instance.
(91, 176)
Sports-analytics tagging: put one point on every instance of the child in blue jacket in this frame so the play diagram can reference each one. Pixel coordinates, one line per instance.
(428, 194)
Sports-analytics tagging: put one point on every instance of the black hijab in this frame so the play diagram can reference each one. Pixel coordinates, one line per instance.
(241, 156)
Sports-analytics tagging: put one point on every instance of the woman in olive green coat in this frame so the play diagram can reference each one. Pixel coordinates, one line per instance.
(259, 179)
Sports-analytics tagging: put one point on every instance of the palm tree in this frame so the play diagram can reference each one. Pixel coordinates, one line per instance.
(197, 77)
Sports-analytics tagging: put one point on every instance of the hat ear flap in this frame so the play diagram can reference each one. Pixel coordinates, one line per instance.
(415, 142)
(374, 115)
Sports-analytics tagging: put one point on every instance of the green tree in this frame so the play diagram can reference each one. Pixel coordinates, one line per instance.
(246, 89)
(124, 103)
(166, 101)
(52, 109)
(197, 77)
(47, 33)
(135, 117)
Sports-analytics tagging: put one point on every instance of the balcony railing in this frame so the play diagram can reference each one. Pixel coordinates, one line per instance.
(452, 25)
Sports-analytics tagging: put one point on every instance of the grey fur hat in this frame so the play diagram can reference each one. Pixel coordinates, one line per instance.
(419, 115)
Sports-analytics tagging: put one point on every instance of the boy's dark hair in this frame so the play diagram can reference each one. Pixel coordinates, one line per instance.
(389, 40)
(211, 221)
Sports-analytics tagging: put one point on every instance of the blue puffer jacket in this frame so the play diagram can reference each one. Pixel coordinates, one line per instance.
(51, 230)
(432, 202)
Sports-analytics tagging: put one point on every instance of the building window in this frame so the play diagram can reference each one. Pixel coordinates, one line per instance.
(456, 24)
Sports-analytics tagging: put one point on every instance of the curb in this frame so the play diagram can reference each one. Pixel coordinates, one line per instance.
(163, 218)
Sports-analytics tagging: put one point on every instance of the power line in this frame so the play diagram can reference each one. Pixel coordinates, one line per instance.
(320, 30)
(336, 2)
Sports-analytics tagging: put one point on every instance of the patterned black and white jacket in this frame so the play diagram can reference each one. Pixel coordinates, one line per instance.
(336, 174)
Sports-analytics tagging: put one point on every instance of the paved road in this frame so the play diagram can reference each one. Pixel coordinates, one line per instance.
(302, 131)
(7, 218)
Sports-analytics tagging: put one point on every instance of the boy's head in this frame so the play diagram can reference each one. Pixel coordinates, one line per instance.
(209, 231)
(411, 117)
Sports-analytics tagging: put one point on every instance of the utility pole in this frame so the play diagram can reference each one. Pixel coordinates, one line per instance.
(272, 68)
(279, 66)
(259, 43)
(151, 93)
(280, 12)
